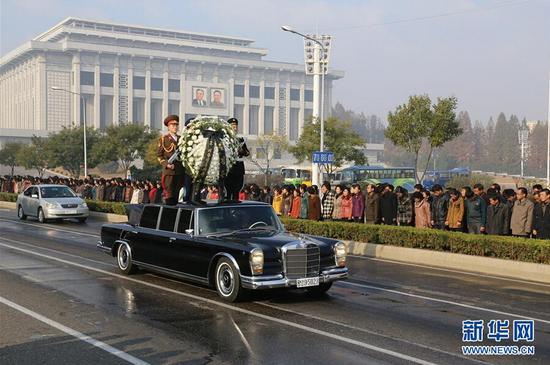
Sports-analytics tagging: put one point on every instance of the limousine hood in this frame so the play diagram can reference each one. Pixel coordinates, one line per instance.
(273, 240)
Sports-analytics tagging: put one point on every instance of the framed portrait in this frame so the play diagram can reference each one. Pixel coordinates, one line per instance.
(217, 97)
(199, 96)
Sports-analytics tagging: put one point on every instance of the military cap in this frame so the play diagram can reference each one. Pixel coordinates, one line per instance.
(170, 118)
(233, 121)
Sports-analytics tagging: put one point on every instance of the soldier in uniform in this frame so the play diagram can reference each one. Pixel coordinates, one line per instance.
(173, 174)
(235, 178)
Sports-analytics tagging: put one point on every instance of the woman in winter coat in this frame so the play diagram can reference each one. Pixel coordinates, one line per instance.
(346, 208)
(305, 202)
(287, 201)
(336, 211)
(455, 214)
(277, 201)
(314, 205)
(296, 204)
(422, 210)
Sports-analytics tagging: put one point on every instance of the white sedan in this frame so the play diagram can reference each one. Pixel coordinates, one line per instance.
(51, 202)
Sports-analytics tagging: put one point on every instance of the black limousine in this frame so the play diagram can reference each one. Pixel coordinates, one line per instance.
(232, 246)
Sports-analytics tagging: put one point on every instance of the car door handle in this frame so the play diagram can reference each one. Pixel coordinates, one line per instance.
(172, 239)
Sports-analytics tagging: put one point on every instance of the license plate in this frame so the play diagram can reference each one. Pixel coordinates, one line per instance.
(303, 283)
(69, 211)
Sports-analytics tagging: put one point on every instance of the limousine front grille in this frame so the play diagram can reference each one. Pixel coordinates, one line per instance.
(302, 262)
(69, 205)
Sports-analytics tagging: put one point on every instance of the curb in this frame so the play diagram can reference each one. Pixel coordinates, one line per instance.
(8, 205)
(477, 264)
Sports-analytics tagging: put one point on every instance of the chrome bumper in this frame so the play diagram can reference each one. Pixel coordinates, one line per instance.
(279, 281)
(105, 249)
(62, 213)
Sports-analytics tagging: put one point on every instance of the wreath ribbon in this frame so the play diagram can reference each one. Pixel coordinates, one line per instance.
(214, 138)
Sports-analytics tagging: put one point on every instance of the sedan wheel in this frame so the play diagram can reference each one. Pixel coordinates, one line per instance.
(228, 283)
(20, 214)
(124, 259)
(41, 217)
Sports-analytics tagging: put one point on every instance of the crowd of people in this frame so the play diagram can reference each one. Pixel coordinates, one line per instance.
(471, 210)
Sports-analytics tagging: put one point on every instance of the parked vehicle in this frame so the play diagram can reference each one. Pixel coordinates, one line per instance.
(47, 202)
(233, 247)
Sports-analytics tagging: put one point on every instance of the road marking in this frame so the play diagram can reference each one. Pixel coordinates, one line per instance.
(47, 226)
(450, 270)
(92, 341)
(58, 252)
(469, 306)
(236, 309)
(370, 332)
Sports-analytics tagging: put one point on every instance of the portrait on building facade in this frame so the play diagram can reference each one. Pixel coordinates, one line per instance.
(217, 97)
(200, 96)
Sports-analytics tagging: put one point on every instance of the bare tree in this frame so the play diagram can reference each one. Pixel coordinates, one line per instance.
(268, 146)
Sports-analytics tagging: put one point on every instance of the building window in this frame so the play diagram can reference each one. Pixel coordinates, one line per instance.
(295, 94)
(308, 95)
(173, 107)
(238, 90)
(268, 119)
(86, 78)
(156, 84)
(138, 108)
(106, 80)
(156, 114)
(254, 92)
(139, 83)
(105, 111)
(293, 133)
(253, 118)
(269, 93)
(239, 113)
(174, 86)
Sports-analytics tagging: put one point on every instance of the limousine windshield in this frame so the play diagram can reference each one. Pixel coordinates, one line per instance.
(230, 219)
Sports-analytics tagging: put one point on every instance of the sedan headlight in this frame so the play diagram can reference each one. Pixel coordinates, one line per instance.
(257, 261)
(51, 205)
(340, 253)
(84, 205)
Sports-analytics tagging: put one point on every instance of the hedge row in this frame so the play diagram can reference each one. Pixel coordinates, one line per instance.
(8, 197)
(512, 248)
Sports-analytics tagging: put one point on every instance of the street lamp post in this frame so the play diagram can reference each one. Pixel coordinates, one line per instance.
(57, 88)
(523, 135)
(320, 60)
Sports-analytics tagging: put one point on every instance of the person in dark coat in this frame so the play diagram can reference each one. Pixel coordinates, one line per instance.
(388, 206)
(372, 208)
(541, 216)
(235, 178)
(498, 216)
(439, 207)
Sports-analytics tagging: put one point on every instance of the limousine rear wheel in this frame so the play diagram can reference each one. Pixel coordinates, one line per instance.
(124, 259)
(228, 282)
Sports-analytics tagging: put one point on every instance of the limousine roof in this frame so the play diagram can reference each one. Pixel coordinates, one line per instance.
(134, 211)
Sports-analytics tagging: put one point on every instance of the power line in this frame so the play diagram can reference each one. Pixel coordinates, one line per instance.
(428, 17)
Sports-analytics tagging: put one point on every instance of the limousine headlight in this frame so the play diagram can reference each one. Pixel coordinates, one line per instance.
(257, 261)
(340, 254)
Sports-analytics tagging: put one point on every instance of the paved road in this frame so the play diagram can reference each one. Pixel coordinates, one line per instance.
(64, 302)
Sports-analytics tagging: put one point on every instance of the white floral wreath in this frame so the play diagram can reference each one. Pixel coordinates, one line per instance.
(193, 144)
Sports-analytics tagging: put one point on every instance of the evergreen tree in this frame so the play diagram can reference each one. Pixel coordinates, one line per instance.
(537, 151)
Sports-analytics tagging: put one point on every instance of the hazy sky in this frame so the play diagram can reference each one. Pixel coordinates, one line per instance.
(494, 55)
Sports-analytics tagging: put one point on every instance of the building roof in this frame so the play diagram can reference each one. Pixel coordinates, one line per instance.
(58, 38)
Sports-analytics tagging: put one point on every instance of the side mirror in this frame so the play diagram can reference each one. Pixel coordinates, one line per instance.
(190, 232)
(35, 196)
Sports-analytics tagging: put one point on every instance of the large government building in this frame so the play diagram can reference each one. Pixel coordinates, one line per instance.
(134, 74)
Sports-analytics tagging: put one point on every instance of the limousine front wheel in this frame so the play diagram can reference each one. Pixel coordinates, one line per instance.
(124, 259)
(228, 283)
